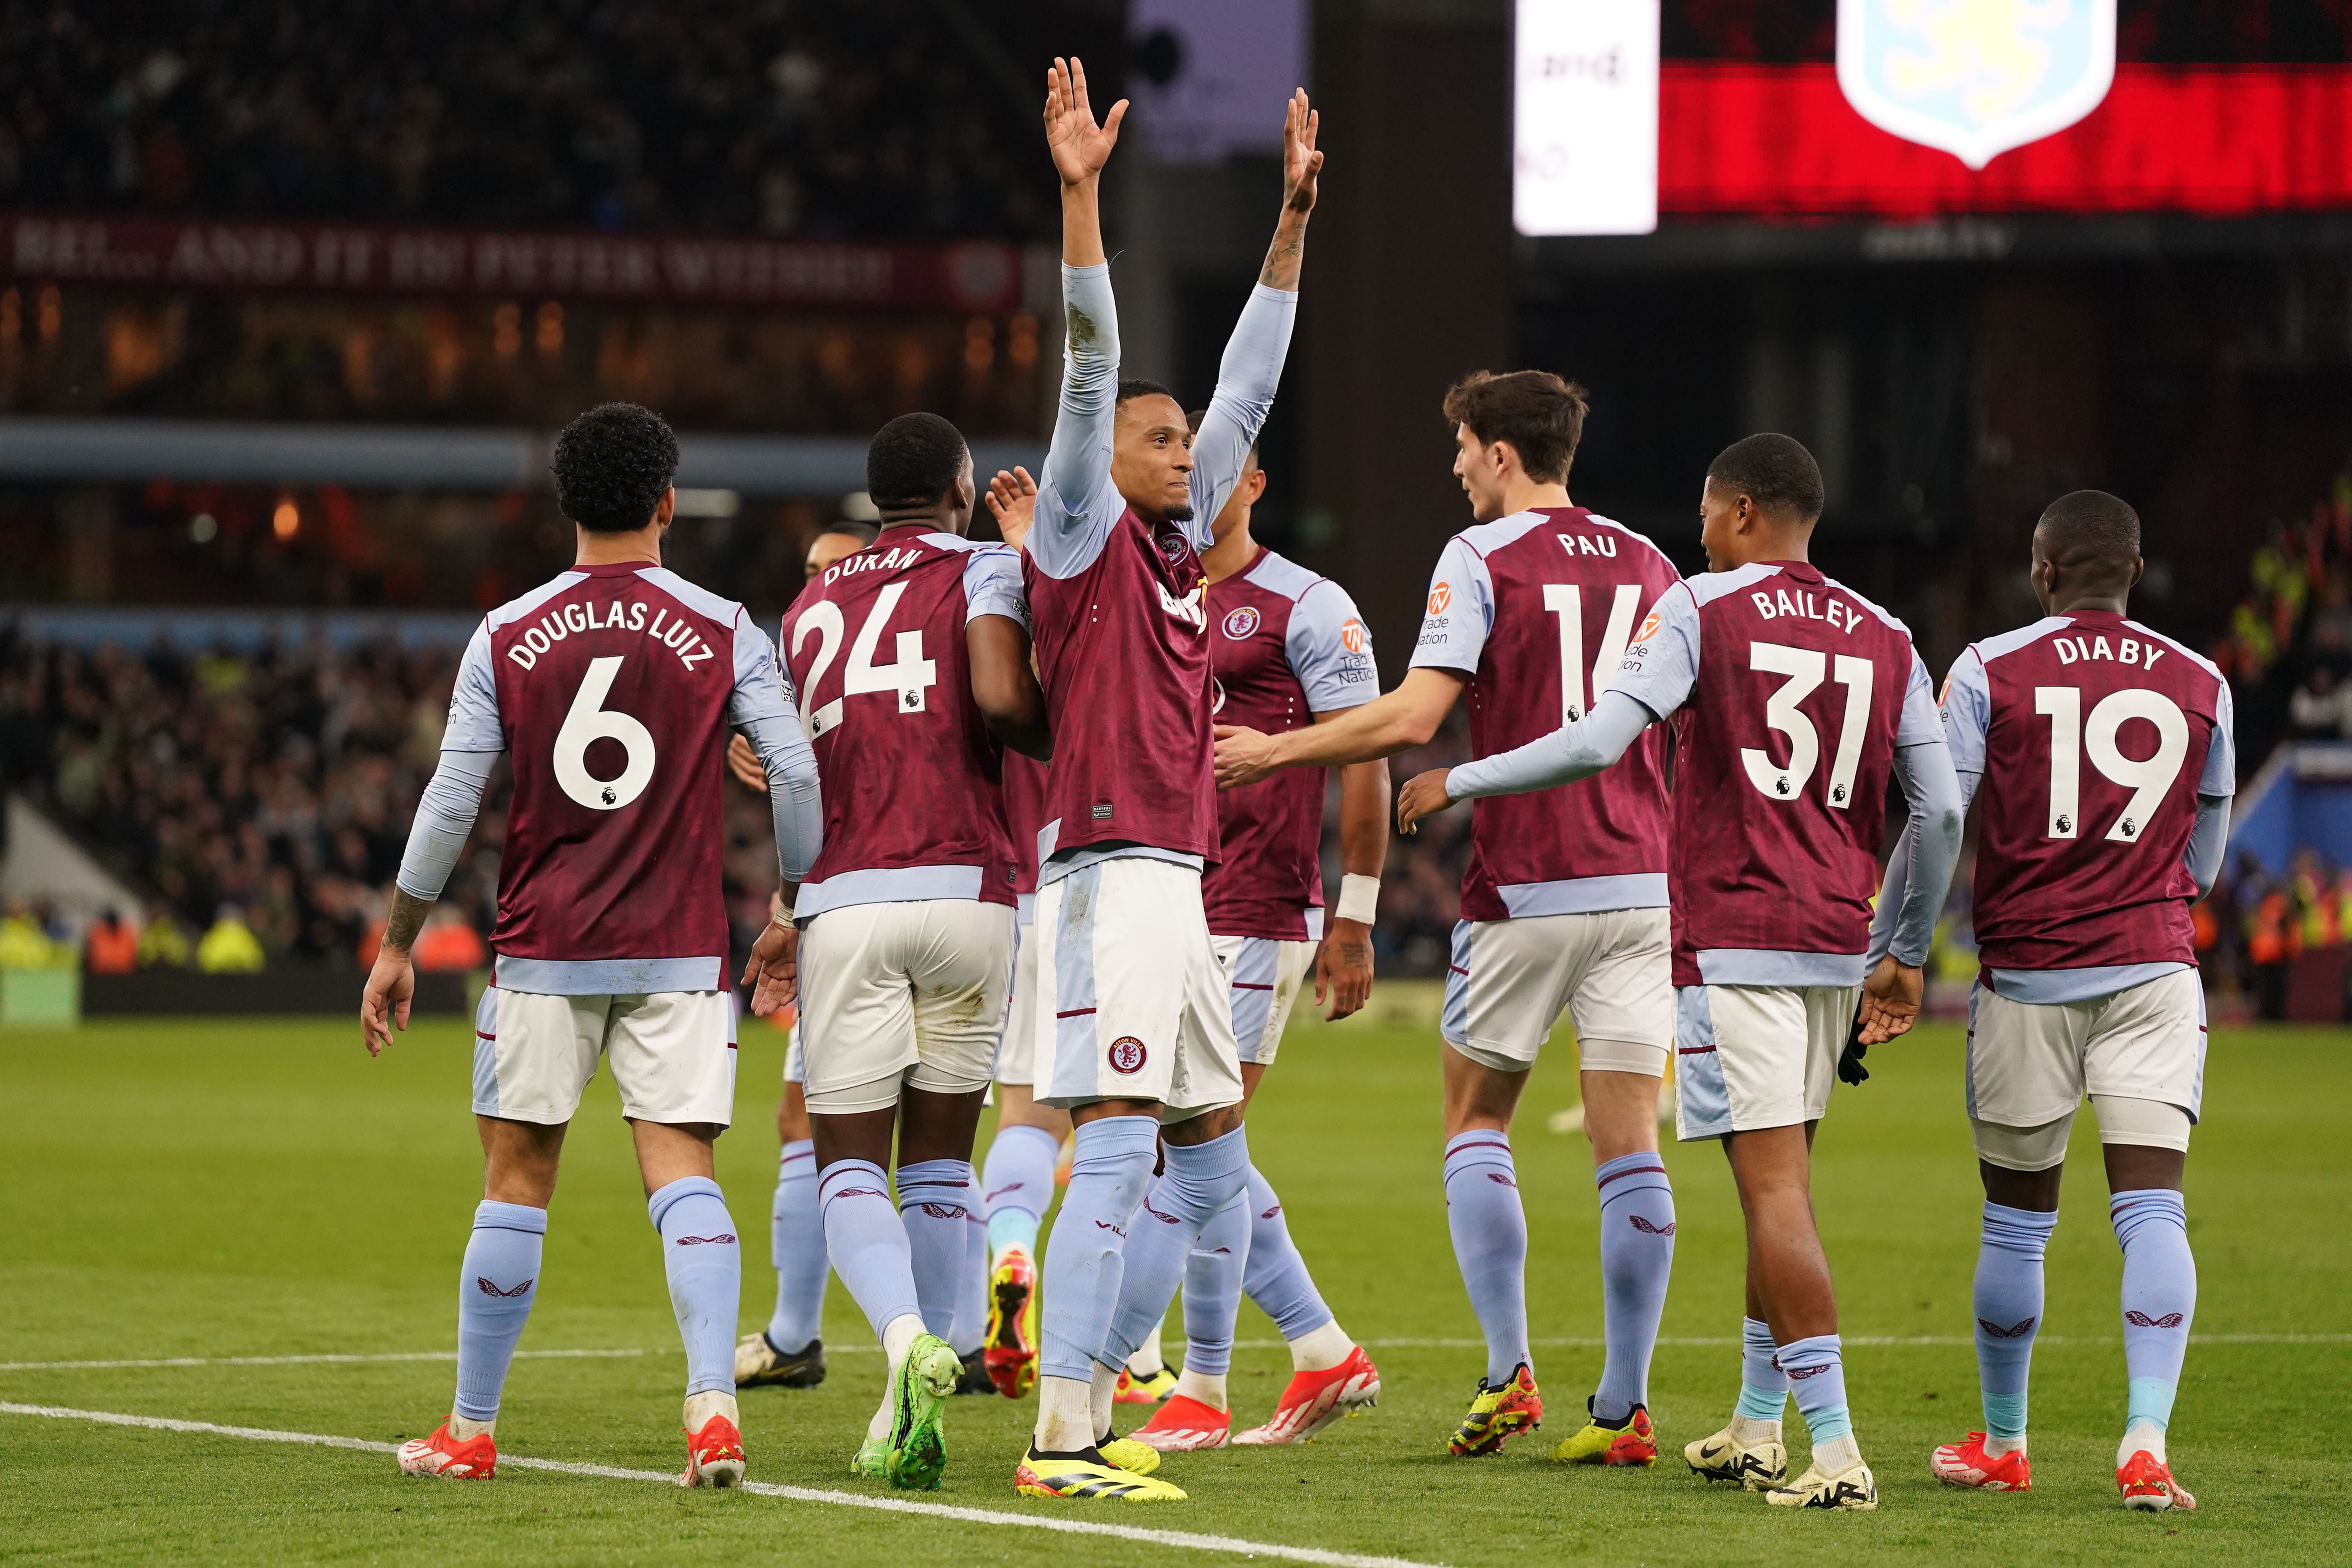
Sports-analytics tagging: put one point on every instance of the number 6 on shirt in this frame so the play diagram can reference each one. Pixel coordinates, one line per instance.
(589, 720)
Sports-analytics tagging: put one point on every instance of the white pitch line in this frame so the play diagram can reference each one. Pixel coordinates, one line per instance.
(1874, 1342)
(1181, 1539)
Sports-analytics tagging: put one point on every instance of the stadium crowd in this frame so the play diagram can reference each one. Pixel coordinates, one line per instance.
(773, 117)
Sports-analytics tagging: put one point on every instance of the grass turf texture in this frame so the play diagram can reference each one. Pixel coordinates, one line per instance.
(219, 1189)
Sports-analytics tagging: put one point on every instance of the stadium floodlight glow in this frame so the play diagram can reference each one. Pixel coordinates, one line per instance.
(1584, 112)
(1974, 78)
(705, 502)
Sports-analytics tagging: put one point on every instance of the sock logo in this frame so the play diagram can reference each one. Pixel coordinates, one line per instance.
(1114, 1230)
(1155, 1214)
(1272, 1212)
(1800, 1373)
(724, 1237)
(489, 1290)
(1646, 1228)
(2014, 1331)
(1127, 1055)
(1501, 1180)
(2142, 1321)
(991, 1197)
(944, 1210)
(858, 1192)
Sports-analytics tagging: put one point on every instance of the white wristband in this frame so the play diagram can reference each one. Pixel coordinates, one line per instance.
(1359, 899)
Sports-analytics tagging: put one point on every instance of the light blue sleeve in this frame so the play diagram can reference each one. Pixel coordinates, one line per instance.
(1921, 722)
(993, 586)
(795, 803)
(1246, 379)
(1938, 811)
(1461, 611)
(1661, 664)
(1077, 503)
(2221, 775)
(1329, 650)
(758, 686)
(1573, 752)
(473, 701)
(445, 815)
(1967, 712)
(2209, 841)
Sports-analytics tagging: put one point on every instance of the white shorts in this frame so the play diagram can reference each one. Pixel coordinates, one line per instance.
(1016, 1058)
(1751, 1057)
(795, 1059)
(1131, 1002)
(895, 994)
(1263, 977)
(1610, 970)
(2030, 1064)
(673, 1055)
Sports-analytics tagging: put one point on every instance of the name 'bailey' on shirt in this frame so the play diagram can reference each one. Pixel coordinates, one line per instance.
(681, 638)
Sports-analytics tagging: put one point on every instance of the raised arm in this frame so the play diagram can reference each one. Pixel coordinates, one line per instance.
(1252, 368)
(1076, 502)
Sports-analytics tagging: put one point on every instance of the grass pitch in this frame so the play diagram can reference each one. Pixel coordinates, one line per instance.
(215, 1190)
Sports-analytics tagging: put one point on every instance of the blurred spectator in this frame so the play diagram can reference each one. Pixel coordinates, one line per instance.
(230, 947)
(2274, 936)
(25, 943)
(162, 944)
(877, 119)
(2322, 705)
(111, 945)
(448, 944)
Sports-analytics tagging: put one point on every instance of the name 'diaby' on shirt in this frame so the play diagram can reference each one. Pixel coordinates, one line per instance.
(2127, 650)
(679, 636)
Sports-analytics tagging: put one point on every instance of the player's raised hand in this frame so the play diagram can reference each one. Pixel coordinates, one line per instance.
(1424, 795)
(744, 763)
(1012, 501)
(1890, 1001)
(772, 972)
(1080, 147)
(1243, 755)
(383, 1005)
(1301, 163)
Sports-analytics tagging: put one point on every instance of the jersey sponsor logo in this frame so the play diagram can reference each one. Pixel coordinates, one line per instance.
(1127, 1055)
(489, 1290)
(1438, 597)
(724, 1238)
(1351, 634)
(1649, 630)
(582, 615)
(2126, 650)
(1781, 604)
(1241, 623)
(1187, 609)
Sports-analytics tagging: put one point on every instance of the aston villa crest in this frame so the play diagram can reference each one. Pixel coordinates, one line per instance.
(1974, 78)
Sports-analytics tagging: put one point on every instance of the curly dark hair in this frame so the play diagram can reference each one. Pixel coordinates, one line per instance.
(611, 466)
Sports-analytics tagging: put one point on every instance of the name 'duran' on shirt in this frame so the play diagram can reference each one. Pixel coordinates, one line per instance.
(681, 638)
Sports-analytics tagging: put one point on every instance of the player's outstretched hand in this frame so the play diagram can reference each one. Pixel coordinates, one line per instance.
(744, 763)
(1343, 969)
(1012, 501)
(1423, 794)
(773, 971)
(383, 1005)
(1243, 755)
(1080, 147)
(1890, 1001)
(1301, 163)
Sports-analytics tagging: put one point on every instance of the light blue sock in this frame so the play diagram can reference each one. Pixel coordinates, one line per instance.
(1637, 1256)
(705, 1264)
(867, 1241)
(1085, 1255)
(1816, 1369)
(2008, 1306)
(1212, 1287)
(1275, 1276)
(495, 1291)
(2160, 1297)
(968, 1335)
(1763, 1386)
(934, 1199)
(797, 1247)
(1490, 1243)
(1017, 1186)
(1199, 1179)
